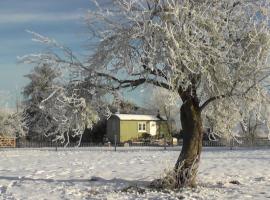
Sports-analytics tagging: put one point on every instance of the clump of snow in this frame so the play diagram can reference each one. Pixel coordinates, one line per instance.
(34, 174)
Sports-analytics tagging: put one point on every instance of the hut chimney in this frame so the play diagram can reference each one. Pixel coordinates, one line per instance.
(158, 114)
(118, 110)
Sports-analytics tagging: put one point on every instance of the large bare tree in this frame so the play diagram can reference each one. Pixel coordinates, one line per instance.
(213, 54)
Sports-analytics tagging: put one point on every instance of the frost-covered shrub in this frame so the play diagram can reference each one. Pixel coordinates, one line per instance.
(11, 124)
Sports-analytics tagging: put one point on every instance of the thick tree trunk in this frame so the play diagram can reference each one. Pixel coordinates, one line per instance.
(187, 164)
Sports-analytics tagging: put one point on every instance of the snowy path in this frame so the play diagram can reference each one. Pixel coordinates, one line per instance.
(33, 174)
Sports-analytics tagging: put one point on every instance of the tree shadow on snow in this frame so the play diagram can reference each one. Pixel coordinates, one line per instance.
(94, 180)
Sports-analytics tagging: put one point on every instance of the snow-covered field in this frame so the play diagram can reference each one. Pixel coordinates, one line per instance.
(34, 174)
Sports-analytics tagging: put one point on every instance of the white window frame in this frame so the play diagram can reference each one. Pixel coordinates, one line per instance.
(142, 130)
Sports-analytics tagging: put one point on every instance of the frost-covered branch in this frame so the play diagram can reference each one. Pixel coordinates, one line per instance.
(69, 113)
(60, 100)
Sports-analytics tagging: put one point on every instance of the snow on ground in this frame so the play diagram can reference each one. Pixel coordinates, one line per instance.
(35, 174)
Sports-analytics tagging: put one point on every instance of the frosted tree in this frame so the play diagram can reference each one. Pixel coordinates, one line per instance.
(12, 124)
(69, 115)
(253, 126)
(42, 80)
(214, 55)
(67, 104)
(169, 109)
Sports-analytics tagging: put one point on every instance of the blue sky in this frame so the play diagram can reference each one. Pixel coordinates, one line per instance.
(61, 20)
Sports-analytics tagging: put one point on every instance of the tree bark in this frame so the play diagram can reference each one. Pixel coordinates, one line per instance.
(187, 164)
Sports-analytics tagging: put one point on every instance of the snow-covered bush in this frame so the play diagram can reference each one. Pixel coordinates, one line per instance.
(11, 124)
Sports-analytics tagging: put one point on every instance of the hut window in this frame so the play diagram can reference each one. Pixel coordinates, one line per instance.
(141, 126)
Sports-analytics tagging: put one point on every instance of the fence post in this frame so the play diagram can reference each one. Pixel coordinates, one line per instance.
(115, 142)
(231, 144)
(56, 146)
(165, 141)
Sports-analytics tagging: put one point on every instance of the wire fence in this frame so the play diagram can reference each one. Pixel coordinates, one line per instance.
(23, 144)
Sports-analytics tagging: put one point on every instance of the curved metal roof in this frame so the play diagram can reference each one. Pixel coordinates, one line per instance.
(137, 117)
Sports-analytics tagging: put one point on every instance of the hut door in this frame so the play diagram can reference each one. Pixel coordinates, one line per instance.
(153, 128)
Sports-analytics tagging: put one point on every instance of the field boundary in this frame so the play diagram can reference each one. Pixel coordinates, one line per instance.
(6, 142)
(12, 143)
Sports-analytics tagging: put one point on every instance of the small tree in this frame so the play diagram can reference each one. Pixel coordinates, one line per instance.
(249, 128)
(254, 124)
(214, 55)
